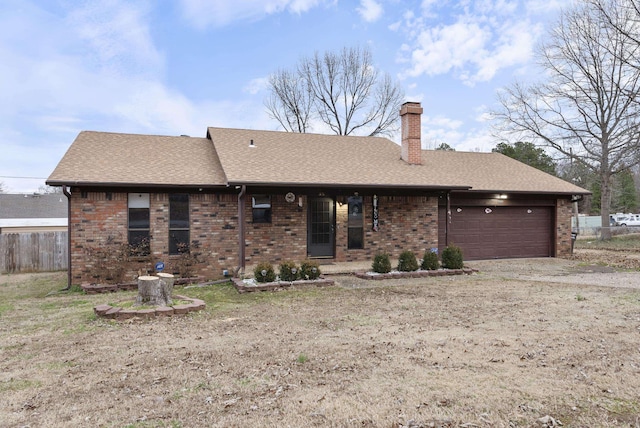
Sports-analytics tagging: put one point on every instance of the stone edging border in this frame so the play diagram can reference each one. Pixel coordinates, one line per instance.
(279, 285)
(415, 274)
(120, 314)
(127, 286)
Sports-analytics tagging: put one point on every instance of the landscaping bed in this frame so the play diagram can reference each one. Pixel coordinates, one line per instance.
(122, 313)
(414, 274)
(127, 286)
(247, 286)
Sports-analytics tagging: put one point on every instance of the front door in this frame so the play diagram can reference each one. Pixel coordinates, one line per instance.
(321, 228)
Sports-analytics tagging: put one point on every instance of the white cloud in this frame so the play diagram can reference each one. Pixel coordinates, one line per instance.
(117, 35)
(441, 49)
(90, 68)
(370, 10)
(512, 47)
(471, 40)
(256, 85)
(218, 13)
(545, 6)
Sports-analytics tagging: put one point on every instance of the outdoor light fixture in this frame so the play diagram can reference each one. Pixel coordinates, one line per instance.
(502, 196)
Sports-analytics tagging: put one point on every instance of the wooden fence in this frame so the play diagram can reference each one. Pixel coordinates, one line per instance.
(33, 252)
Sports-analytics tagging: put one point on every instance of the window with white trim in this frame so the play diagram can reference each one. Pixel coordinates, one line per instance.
(138, 224)
(178, 223)
(261, 207)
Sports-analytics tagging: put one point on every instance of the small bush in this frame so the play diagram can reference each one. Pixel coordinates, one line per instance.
(289, 271)
(264, 272)
(309, 269)
(407, 262)
(452, 257)
(381, 263)
(430, 261)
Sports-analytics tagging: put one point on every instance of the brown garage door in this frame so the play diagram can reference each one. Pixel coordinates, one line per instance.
(499, 232)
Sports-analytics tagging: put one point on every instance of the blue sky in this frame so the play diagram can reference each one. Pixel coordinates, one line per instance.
(176, 67)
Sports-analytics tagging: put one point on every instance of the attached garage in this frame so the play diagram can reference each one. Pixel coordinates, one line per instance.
(499, 228)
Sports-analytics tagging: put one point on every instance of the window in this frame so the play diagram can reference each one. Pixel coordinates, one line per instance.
(261, 205)
(355, 239)
(178, 223)
(139, 224)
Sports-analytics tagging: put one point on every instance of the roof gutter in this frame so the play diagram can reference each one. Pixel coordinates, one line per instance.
(526, 192)
(135, 185)
(347, 185)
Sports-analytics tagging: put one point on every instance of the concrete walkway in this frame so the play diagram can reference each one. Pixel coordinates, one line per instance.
(341, 268)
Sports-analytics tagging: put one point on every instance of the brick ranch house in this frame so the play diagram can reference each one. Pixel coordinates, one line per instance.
(239, 197)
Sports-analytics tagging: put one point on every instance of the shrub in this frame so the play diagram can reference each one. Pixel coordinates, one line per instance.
(452, 257)
(407, 262)
(430, 261)
(309, 269)
(289, 271)
(381, 263)
(264, 272)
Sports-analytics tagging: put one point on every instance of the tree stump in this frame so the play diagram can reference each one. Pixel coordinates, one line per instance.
(166, 285)
(150, 292)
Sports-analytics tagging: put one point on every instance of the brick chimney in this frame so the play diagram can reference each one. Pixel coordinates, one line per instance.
(410, 114)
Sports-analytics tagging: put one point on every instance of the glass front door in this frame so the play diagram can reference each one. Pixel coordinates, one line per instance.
(321, 228)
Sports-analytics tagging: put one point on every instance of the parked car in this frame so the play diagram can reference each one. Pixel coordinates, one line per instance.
(629, 220)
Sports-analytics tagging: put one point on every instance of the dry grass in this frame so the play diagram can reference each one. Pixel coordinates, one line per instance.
(482, 351)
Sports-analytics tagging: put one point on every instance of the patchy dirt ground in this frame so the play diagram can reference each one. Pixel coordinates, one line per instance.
(523, 343)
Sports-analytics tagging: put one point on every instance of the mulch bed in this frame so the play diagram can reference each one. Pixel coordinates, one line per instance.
(128, 286)
(243, 287)
(414, 274)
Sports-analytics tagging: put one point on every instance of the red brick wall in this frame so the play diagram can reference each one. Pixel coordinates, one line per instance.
(563, 228)
(410, 118)
(285, 238)
(99, 221)
(96, 222)
(405, 223)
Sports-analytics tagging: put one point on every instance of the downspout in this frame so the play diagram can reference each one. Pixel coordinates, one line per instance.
(68, 195)
(241, 234)
(448, 222)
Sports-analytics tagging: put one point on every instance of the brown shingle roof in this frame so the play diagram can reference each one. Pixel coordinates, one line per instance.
(288, 159)
(282, 158)
(103, 158)
(495, 172)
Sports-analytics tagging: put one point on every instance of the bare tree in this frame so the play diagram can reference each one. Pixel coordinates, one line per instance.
(290, 101)
(2, 188)
(343, 90)
(587, 107)
(613, 12)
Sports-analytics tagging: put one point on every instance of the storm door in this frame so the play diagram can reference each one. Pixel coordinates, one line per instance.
(321, 228)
